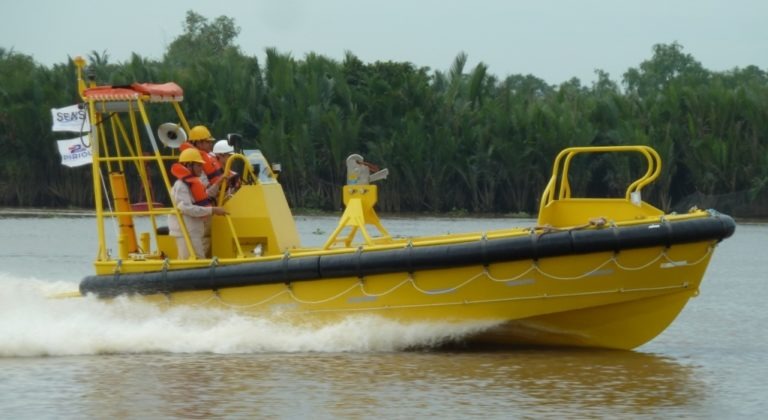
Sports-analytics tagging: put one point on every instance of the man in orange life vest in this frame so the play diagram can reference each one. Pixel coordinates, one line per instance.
(192, 200)
(200, 139)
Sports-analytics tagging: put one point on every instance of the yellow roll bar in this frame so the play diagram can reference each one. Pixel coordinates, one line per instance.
(564, 158)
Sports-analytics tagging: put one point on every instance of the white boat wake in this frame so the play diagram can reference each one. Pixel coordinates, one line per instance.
(32, 324)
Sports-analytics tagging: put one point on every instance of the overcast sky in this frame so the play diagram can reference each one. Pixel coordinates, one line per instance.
(553, 40)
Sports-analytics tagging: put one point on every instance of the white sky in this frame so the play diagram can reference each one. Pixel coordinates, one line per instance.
(553, 40)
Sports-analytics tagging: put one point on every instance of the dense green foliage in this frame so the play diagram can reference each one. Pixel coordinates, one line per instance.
(462, 139)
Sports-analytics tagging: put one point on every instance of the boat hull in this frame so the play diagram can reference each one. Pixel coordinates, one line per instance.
(611, 298)
(623, 325)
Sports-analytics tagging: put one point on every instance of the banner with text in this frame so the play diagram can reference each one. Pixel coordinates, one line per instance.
(74, 152)
(71, 118)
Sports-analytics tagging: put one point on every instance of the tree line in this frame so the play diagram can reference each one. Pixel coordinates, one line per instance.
(460, 140)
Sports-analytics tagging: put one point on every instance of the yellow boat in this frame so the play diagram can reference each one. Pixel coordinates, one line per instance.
(593, 272)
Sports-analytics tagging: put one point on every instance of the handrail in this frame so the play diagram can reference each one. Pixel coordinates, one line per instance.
(565, 157)
(234, 236)
(654, 170)
(138, 158)
(247, 170)
(158, 211)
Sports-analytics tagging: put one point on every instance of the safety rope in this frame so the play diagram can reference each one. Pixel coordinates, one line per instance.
(683, 285)
(317, 302)
(366, 293)
(444, 291)
(598, 222)
(487, 274)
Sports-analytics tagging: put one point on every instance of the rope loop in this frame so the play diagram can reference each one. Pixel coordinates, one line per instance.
(361, 284)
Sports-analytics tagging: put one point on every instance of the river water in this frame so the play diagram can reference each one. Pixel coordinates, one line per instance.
(84, 358)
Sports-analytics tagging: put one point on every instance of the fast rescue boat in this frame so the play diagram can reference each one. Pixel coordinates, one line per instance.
(593, 272)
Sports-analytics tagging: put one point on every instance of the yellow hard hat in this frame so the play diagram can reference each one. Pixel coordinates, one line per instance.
(190, 155)
(200, 133)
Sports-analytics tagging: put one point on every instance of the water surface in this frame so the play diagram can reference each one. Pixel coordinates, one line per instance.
(84, 358)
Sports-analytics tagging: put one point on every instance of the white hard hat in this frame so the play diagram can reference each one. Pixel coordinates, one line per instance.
(222, 147)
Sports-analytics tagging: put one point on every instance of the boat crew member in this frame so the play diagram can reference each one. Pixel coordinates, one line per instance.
(200, 139)
(222, 150)
(191, 199)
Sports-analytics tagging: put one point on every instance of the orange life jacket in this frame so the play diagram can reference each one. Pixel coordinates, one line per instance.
(196, 187)
(211, 166)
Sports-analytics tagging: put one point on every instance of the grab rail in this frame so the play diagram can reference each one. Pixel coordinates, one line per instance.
(552, 193)
(247, 176)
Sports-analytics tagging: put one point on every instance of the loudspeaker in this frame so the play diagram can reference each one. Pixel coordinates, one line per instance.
(171, 135)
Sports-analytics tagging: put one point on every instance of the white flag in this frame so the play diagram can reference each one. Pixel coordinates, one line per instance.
(71, 118)
(74, 152)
